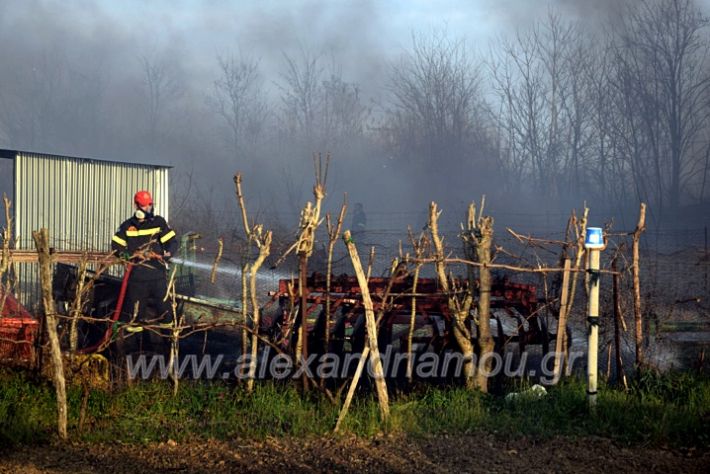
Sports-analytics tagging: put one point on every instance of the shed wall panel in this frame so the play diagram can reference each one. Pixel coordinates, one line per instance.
(80, 201)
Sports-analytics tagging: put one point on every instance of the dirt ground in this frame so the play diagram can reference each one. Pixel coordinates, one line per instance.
(388, 454)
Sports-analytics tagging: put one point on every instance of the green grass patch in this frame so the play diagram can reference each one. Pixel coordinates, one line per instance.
(672, 409)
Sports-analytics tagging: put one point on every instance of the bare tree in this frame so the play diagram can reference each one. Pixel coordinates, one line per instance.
(344, 115)
(301, 96)
(238, 98)
(436, 102)
(162, 89)
(662, 56)
(544, 119)
(609, 175)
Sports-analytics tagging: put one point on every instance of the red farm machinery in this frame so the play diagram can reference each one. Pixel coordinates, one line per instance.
(516, 315)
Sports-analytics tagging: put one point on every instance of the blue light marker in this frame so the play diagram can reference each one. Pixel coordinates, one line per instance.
(594, 238)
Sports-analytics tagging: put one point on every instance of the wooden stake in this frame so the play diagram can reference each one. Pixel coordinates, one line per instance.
(380, 383)
(351, 390)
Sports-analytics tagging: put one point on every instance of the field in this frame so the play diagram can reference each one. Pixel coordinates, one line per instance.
(661, 424)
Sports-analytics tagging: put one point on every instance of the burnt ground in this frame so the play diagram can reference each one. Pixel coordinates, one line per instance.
(482, 453)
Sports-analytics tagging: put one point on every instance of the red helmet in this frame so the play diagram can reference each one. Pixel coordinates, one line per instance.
(143, 198)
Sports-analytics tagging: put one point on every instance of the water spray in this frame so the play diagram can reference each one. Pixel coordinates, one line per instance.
(229, 269)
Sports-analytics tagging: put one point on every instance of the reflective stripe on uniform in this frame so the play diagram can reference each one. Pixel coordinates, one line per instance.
(138, 233)
(119, 240)
(167, 237)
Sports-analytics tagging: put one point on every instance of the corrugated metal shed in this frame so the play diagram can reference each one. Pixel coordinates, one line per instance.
(80, 200)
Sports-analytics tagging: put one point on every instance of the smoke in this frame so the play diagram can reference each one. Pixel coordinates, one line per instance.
(514, 14)
(74, 82)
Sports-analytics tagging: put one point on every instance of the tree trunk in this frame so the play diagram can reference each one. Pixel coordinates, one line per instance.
(41, 239)
(303, 293)
(77, 307)
(412, 323)
(264, 250)
(459, 310)
(485, 340)
(561, 340)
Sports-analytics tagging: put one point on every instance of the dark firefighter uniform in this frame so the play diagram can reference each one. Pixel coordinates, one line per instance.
(144, 243)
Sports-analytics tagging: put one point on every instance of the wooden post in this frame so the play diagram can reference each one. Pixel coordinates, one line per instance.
(41, 239)
(593, 322)
(351, 390)
(638, 317)
(561, 340)
(394, 272)
(380, 383)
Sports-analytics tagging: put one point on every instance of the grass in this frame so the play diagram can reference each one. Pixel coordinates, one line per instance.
(672, 410)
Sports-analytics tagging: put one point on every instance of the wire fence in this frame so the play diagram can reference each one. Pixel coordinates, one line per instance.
(674, 272)
(674, 269)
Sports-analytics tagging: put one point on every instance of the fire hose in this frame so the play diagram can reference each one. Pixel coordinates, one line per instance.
(142, 256)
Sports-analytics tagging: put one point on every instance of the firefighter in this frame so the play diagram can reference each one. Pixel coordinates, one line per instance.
(146, 241)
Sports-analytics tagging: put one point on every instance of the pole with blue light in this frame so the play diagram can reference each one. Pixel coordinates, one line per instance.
(594, 243)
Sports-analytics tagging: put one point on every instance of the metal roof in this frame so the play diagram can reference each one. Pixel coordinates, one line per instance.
(11, 154)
